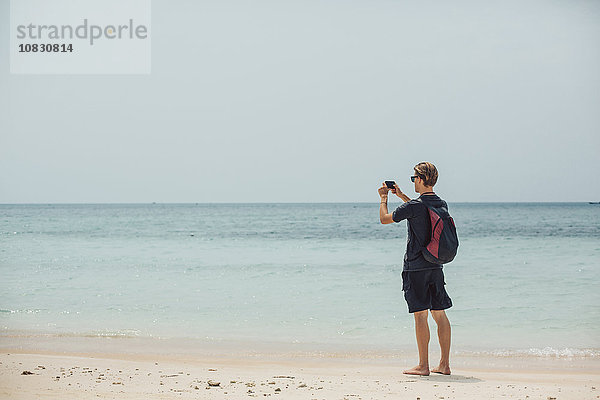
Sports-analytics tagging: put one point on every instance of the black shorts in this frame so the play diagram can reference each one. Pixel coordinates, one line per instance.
(424, 290)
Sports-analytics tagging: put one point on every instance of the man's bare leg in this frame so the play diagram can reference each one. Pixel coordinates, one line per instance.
(422, 332)
(444, 336)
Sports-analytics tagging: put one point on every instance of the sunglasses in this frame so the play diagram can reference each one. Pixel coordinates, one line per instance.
(413, 178)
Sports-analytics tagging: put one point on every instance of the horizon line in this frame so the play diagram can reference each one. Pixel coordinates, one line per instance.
(291, 202)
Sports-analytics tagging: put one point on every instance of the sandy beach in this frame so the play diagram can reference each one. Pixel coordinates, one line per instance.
(37, 367)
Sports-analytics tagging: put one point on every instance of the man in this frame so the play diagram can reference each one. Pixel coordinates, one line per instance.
(422, 282)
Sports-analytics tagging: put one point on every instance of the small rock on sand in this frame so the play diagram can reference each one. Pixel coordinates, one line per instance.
(27, 373)
(213, 383)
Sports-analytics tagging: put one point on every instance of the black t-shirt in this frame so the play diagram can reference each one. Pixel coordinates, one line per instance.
(419, 230)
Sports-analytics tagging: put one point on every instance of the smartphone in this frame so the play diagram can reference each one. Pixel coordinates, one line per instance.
(390, 184)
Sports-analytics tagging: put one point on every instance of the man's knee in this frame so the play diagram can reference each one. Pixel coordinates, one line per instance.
(439, 315)
(421, 314)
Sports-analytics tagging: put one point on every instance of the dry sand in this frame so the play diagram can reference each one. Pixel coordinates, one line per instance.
(157, 370)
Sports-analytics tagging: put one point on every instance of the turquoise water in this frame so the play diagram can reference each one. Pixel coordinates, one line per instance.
(525, 280)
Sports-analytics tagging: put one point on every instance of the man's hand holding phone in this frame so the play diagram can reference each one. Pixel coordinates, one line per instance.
(394, 188)
(383, 190)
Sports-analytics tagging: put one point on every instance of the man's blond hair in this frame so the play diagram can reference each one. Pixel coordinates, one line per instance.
(428, 172)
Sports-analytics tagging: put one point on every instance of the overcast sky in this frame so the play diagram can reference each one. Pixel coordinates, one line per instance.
(319, 101)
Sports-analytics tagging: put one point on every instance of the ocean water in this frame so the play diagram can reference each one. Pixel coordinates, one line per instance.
(525, 281)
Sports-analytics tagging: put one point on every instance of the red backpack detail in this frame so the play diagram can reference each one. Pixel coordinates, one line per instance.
(443, 244)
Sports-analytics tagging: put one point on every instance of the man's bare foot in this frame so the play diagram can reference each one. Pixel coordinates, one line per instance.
(418, 370)
(444, 370)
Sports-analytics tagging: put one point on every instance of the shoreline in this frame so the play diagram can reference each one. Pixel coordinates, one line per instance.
(142, 368)
(39, 341)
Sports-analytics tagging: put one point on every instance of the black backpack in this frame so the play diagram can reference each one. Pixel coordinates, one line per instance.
(443, 245)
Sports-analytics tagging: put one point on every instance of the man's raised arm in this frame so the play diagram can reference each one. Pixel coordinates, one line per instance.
(384, 216)
(399, 193)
